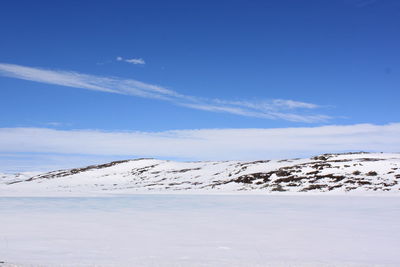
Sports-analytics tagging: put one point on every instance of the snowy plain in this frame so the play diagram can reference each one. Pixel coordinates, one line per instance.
(328, 210)
(200, 230)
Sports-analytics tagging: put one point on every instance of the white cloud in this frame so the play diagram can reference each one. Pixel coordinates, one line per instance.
(273, 109)
(290, 104)
(205, 144)
(84, 81)
(259, 113)
(135, 61)
(274, 104)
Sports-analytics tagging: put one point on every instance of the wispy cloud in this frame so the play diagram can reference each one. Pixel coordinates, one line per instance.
(270, 105)
(135, 61)
(289, 110)
(205, 144)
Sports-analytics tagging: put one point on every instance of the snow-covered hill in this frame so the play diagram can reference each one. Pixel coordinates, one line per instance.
(350, 172)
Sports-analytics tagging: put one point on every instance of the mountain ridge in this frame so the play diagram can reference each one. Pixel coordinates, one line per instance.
(330, 172)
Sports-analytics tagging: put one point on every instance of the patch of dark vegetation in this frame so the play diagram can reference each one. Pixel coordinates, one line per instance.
(371, 173)
(172, 184)
(389, 185)
(278, 188)
(381, 189)
(322, 157)
(364, 182)
(312, 173)
(142, 170)
(289, 179)
(289, 167)
(149, 185)
(245, 179)
(335, 178)
(281, 173)
(260, 161)
(15, 182)
(340, 160)
(313, 187)
(217, 183)
(238, 171)
(321, 166)
(249, 178)
(332, 187)
(350, 188)
(397, 176)
(370, 159)
(356, 173)
(57, 174)
(254, 162)
(101, 166)
(184, 170)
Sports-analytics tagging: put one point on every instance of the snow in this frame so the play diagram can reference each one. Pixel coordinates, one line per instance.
(200, 230)
(329, 210)
(328, 173)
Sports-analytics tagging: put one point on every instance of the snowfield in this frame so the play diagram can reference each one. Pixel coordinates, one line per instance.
(328, 210)
(334, 173)
(201, 230)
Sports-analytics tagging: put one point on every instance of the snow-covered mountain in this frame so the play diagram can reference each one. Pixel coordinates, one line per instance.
(349, 172)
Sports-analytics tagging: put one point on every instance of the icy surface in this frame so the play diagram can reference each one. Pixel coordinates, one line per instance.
(200, 230)
(328, 173)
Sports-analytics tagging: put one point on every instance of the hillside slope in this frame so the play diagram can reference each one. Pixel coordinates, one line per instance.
(340, 173)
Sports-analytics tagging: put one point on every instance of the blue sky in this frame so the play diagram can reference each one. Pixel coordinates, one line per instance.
(185, 65)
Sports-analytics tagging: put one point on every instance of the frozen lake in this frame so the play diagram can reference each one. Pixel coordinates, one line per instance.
(201, 230)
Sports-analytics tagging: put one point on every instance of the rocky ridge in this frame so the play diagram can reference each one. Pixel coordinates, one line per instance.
(348, 172)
